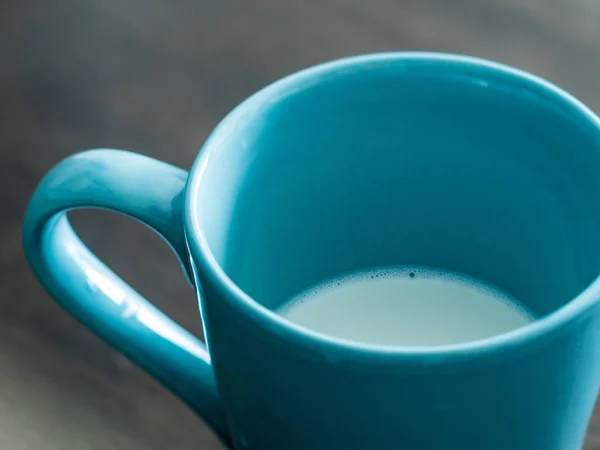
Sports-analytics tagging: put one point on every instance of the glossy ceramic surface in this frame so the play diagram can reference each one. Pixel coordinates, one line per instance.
(408, 158)
(84, 286)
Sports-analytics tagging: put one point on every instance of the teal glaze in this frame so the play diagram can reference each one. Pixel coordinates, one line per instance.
(84, 286)
(400, 158)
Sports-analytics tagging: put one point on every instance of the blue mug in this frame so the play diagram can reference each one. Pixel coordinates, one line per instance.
(387, 159)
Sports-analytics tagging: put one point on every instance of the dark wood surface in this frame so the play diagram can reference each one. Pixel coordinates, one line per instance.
(155, 77)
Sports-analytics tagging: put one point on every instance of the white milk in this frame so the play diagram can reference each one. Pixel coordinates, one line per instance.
(406, 306)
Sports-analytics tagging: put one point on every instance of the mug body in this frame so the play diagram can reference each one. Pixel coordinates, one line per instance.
(395, 159)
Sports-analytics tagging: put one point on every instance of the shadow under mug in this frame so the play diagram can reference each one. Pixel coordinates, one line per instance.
(387, 159)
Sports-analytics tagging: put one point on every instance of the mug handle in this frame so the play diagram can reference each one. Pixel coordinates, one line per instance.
(152, 192)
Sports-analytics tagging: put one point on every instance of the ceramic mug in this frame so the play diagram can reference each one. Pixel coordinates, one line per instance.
(387, 159)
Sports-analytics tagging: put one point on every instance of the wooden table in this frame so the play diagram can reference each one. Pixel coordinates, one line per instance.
(155, 77)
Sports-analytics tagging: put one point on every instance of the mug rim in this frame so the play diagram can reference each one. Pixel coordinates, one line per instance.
(349, 350)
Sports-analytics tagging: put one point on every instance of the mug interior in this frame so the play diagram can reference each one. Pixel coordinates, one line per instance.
(425, 160)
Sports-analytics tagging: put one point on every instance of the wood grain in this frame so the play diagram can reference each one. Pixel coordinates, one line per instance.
(156, 77)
